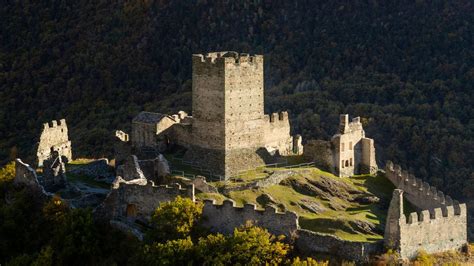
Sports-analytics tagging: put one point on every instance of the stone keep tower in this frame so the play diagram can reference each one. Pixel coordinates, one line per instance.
(227, 110)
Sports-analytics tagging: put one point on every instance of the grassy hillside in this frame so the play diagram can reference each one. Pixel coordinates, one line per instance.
(351, 208)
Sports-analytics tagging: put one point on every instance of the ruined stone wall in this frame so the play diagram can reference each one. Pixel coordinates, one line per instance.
(420, 194)
(368, 165)
(309, 243)
(353, 153)
(138, 200)
(224, 218)
(143, 134)
(347, 146)
(238, 160)
(54, 137)
(321, 153)
(182, 134)
(277, 133)
(122, 147)
(437, 230)
(121, 135)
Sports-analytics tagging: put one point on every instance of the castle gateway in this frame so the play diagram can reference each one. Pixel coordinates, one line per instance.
(228, 131)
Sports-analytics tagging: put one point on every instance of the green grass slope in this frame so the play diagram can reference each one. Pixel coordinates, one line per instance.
(325, 203)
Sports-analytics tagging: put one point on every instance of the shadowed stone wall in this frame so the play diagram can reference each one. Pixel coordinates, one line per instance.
(137, 200)
(437, 230)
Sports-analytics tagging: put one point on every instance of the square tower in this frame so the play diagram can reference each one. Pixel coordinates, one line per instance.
(228, 109)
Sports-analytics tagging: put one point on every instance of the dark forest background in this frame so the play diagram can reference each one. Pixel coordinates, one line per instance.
(406, 67)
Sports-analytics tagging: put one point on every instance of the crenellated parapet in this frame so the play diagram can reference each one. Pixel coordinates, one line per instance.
(137, 199)
(55, 124)
(224, 218)
(227, 57)
(449, 213)
(280, 117)
(419, 193)
(435, 230)
(54, 137)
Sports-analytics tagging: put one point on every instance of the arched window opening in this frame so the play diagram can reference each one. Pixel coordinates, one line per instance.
(347, 163)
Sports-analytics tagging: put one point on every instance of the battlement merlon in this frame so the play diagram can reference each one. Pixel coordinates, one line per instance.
(280, 116)
(227, 57)
(55, 124)
(447, 212)
(249, 207)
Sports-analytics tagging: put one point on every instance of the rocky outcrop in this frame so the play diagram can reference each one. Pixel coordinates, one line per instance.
(25, 175)
(201, 185)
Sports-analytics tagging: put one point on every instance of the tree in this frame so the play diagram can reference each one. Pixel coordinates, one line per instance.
(7, 173)
(248, 245)
(174, 220)
(172, 252)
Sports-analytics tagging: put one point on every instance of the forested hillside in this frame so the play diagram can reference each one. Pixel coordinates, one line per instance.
(407, 67)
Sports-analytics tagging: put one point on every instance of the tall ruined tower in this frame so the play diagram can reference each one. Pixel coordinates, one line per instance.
(227, 109)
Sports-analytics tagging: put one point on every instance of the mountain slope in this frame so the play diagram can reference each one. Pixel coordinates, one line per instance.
(407, 67)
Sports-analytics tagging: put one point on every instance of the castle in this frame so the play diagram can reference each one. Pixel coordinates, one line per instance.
(228, 131)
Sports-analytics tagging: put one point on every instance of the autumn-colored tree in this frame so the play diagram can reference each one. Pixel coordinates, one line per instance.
(7, 173)
(248, 245)
(171, 252)
(174, 219)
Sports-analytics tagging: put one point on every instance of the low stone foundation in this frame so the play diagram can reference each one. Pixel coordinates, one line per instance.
(309, 242)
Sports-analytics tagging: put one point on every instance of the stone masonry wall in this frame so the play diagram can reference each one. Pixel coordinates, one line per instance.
(437, 230)
(277, 133)
(224, 218)
(368, 165)
(244, 108)
(309, 243)
(320, 152)
(54, 137)
(138, 200)
(208, 103)
(353, 152)
(418, 193)
(347, 146)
